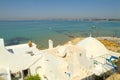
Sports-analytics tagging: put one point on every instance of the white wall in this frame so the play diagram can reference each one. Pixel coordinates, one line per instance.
(5, 73)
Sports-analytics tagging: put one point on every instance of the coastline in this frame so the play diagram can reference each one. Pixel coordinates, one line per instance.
(60, 31)
(111, 43)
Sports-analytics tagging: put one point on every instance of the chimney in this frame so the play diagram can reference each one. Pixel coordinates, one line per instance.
(1, 43)
(50, 44)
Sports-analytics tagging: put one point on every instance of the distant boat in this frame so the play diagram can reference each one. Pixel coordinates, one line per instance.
(93, 27)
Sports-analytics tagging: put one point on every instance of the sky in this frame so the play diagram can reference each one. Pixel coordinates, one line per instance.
(49, 9)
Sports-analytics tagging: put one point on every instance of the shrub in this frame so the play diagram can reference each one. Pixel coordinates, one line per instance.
(118, 65)
(32, 77)
(38, 46)
(98, 77)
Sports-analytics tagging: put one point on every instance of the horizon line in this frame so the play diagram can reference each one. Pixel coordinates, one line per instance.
(60, 19)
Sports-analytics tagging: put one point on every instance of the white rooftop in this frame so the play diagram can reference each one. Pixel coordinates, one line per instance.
(23, 49)
(94, 48)
(77, 60)
(15, 62)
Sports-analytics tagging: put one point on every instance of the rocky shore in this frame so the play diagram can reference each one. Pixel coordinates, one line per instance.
(111, 43)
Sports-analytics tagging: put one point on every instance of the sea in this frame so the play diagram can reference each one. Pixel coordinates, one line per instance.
(60, 31)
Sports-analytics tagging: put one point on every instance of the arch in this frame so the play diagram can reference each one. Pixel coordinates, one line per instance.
(38, 70)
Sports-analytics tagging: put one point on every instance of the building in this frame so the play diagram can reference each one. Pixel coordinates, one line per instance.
(82, 61)
(15, 65)
(98, 53)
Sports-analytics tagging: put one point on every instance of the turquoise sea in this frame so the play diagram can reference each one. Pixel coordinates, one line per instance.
(60, 31)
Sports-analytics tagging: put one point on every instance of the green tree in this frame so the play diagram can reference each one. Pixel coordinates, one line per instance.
(32, 77)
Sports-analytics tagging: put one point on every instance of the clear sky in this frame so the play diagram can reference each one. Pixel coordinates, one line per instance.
(43, 9)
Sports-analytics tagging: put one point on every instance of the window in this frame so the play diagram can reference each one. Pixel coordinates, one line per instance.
(11, 50)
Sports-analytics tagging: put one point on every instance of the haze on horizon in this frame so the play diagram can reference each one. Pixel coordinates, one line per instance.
(48, 9)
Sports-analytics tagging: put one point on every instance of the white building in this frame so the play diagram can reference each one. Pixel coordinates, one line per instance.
(93, 47)
(16, 63)
(98, 53)
(67, 62)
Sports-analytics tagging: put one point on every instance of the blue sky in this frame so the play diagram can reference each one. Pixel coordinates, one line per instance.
(44, 9)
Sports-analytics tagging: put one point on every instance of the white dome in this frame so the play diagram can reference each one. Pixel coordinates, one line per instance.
(94, 48)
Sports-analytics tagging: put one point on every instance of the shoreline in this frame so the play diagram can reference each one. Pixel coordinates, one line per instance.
(111, 43)
(75, 39)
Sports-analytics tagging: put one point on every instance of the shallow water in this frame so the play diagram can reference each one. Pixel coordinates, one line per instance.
(60, 31)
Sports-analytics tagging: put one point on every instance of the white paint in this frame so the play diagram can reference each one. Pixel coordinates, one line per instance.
(50, 44)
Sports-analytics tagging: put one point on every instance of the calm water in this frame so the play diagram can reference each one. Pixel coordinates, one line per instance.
(60, 31)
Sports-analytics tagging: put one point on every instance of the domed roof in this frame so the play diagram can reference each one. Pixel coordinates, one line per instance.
(94, 48)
